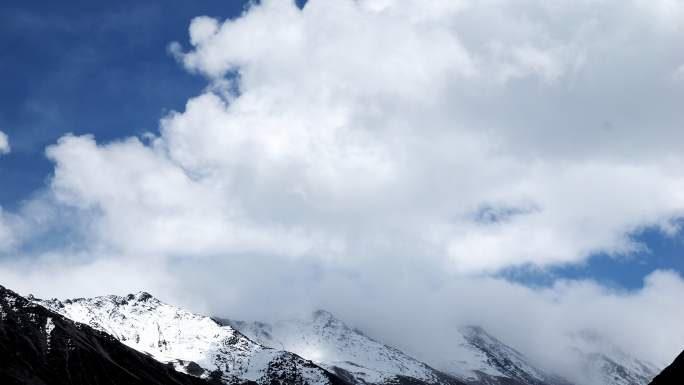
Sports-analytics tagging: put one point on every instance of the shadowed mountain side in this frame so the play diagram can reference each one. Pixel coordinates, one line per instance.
(38, 346)
(673, 374)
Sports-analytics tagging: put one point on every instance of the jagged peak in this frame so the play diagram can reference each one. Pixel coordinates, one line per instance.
(320, 313)
(473, 330)
(326, 319)
(325, 316)
(141, 296)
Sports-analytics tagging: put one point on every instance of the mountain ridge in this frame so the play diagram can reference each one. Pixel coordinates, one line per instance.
(350, 365)
(311, 329)
(191, 343)
(602, 360)
(322, 350)
(39, 346)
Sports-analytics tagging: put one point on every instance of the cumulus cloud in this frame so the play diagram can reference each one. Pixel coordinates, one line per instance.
(417, 145)
(349, 125)
(4, 143)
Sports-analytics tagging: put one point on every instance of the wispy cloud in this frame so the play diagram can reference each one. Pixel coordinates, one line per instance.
(4, 143)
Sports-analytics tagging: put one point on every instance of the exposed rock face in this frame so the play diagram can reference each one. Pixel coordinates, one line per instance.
(38, 346)
(673, 374)
(191, 343)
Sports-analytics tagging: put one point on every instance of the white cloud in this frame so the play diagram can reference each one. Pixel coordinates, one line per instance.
(4, 143)
(358, 123)
(7, 236)
(161, 211)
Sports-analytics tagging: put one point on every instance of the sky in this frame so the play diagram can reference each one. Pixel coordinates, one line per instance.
(403, 164)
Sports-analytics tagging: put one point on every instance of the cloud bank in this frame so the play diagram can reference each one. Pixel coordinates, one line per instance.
(398, 150)
(349, 124)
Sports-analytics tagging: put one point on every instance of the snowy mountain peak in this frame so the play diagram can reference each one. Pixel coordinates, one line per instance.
(325, 319)
(39, 346)
(600, 360)
(478, 337)
(142, 297)
(322, 314)
(474, 330)
(351, 355)
(472, 355)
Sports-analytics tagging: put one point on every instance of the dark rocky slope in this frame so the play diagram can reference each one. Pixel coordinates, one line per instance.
(38, 346)
(673, 374)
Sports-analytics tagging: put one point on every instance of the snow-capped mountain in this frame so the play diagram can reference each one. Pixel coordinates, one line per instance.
(39, 346)
(193, 344)
(599, 361)
(475, 357)
(331, 344)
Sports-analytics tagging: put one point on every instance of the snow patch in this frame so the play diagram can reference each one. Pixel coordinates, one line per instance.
(49, 327)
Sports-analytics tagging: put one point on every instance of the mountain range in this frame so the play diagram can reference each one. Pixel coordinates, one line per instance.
(167, 344)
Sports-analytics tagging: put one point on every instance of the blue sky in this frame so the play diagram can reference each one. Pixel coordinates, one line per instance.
(626, 272)
(83, 67)
(394, 156)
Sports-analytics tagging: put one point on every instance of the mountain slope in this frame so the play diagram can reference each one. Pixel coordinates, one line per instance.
(467, 355)
(600, 361)
(193, 344)
(475, 357)
(38, 346)
(331, 344)
(673, 374)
